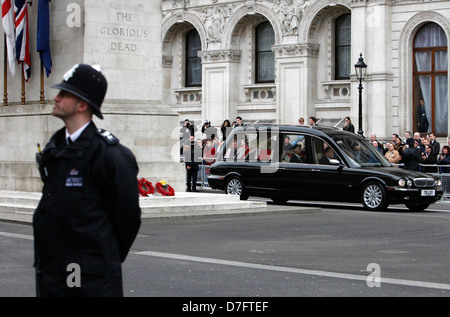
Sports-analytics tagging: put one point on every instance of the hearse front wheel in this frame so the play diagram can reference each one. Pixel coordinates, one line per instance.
(373, 197)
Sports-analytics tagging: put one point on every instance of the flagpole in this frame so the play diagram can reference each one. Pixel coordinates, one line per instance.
(5, 75)
(42, 83)
(23, 85)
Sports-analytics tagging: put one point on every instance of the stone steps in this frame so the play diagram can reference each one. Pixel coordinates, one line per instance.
(19, 206)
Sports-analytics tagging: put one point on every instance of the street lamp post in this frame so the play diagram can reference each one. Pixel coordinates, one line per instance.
(360, 68)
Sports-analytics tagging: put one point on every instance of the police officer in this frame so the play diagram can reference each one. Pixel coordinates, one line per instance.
(89, 214)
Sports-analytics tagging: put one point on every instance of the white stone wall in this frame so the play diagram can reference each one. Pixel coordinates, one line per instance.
(125, 39)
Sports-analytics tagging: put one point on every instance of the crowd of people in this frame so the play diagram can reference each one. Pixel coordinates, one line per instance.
(202, 151)
(414, 151)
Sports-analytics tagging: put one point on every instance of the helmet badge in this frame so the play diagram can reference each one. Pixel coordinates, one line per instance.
(70, 72)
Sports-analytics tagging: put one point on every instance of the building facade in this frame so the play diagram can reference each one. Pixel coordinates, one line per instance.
(279, 60)
(264, 60)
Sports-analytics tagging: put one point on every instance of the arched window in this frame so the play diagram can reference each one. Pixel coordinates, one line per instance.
(342, 47)
(193, 62)
(430, 80)
(265, 57)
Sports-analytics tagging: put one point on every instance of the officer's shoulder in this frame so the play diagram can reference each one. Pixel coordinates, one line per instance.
(107, 136)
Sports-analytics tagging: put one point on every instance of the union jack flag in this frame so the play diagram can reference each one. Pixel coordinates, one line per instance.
(22, 38)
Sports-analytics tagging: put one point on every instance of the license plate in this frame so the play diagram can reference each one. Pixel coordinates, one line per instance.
(428, 192)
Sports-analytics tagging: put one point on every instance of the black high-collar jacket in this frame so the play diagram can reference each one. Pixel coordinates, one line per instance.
(89, 214)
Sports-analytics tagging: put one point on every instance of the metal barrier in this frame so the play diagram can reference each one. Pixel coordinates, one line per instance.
(202, 176)
(441, 171)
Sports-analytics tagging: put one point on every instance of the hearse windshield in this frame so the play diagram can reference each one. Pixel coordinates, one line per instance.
(361, 152)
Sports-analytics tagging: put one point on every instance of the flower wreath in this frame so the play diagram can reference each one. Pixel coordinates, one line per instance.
(145, 187)
(164, 189)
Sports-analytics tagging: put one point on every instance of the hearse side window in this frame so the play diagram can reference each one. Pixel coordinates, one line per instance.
(295, 148)
(243, 147)
(267, 145)
(323, 152)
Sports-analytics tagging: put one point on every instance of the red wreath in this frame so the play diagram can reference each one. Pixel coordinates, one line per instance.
(145, 187)
(165, 190)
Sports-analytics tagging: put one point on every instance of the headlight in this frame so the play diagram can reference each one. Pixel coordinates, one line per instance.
(438, 183)
(409, 183)
(401, 182)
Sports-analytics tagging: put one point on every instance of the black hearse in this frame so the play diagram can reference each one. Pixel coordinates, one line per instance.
(316, 163)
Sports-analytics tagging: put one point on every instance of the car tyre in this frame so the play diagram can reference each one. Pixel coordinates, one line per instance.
(417, 207)
(373, 197)
(235, 186)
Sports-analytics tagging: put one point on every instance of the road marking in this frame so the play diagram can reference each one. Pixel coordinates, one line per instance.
(16, 235)
(293, 270)
(395, 281)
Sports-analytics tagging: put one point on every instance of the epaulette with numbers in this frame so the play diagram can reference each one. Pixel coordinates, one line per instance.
(107, 136)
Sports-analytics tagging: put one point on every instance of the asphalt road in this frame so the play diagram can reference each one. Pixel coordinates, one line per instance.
(339, 251)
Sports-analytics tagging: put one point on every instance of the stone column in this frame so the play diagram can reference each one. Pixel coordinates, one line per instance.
(295, 65)
(371, 36)
(219, 85)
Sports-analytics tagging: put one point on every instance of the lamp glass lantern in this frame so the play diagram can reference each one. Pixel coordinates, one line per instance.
(360, 68)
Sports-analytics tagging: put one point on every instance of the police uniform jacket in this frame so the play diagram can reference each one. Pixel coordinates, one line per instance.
(88, 215)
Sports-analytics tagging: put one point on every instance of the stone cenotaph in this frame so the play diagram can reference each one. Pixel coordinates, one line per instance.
(124, 39)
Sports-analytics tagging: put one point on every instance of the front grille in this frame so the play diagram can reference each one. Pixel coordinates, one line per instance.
(424, 182)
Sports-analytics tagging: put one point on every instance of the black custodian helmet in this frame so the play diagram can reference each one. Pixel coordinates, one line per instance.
(86, 82)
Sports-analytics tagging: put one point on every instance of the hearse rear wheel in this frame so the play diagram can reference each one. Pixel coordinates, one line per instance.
(235, 186)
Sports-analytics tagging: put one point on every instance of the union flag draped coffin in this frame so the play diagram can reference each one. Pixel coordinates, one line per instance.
(22, 36)
(9, 29)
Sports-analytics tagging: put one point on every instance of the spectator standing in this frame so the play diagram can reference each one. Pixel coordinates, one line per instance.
(225, 129)
(419, 141)
(392, 154)
(301, 121)
(444, 158)
(192, 159)
(411, 156)
(429, 158)
(399, 145)
(408, 134)
(312, 121)
(239, 122)
(187, 130)
(287, 144)
(434, 143)
(379, 146)
(209, 131)
(209, 155)
(348, 126)
(423, 121)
